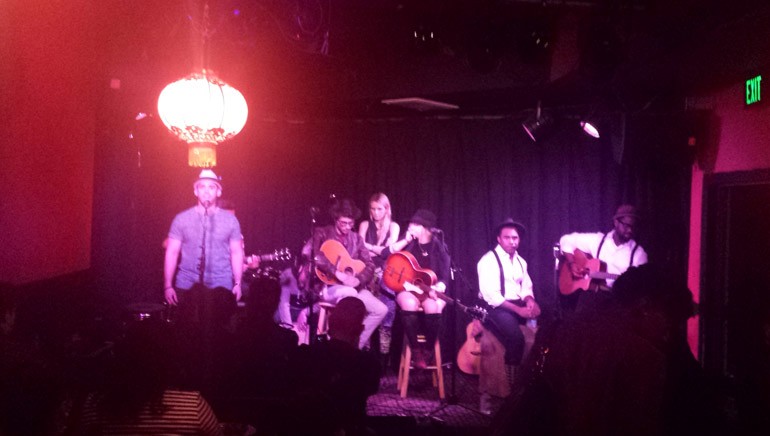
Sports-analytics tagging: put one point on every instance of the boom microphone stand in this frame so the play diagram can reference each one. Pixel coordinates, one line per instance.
(454, 273)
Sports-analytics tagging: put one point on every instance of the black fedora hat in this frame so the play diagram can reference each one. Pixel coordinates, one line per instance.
(510, 222)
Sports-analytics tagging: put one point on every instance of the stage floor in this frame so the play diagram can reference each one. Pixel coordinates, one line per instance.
(422, 412)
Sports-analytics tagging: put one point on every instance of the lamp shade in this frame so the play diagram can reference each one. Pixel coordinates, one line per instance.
(202, 111)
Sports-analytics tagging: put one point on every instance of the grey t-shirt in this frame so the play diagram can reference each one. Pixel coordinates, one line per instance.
(220, 228)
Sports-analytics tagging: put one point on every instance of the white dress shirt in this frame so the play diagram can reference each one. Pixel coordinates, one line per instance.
(518, 284)
(617, 257)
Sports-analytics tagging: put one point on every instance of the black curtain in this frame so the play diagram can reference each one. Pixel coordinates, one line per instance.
(471, 172)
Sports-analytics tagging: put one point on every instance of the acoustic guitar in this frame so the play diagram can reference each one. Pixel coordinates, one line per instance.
(584, 272)
(345, 267)
(401, 272)
(469, 355)
(252, 273)
(281, 254)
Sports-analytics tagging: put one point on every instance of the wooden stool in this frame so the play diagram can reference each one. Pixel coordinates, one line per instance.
(406, 365)
(324, 310)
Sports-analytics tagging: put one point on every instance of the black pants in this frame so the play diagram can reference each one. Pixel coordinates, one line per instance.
(201, 321)
(505, 326)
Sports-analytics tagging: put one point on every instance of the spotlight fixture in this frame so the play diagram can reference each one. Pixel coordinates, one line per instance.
(538, 126)
(589, 126)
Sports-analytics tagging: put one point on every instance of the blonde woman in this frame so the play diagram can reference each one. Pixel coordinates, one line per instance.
(380, 231)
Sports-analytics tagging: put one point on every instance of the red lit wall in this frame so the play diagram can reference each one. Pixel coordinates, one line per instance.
(742, 144)
(47, 144)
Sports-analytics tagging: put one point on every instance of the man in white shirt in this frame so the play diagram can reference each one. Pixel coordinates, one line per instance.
(616, 248)
(505, 285)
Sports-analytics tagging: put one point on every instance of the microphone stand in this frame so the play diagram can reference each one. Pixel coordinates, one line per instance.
(310, 291)
(556, 264)
(454, 273)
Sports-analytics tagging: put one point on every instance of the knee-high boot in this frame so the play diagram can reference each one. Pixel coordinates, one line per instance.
(411, 322)
(432, 328)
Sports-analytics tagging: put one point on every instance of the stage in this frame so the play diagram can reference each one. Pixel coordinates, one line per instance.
(421, 412)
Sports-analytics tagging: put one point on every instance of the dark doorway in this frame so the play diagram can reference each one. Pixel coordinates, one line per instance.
(736, 297)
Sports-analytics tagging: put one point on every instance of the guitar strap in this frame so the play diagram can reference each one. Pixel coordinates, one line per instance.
(599, 251)
(502, 276)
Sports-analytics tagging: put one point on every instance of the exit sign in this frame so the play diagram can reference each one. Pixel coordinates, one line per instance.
(753, 90)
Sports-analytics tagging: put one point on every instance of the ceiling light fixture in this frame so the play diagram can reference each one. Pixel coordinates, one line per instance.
(202, 110)
(539, 126)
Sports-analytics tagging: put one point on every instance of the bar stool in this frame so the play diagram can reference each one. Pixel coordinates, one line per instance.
(406, 365)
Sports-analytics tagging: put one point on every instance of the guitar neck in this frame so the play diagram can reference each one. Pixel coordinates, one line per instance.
(601, 275)
(475, 311)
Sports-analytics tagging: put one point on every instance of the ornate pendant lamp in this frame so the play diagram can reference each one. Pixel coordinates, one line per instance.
(202, 110)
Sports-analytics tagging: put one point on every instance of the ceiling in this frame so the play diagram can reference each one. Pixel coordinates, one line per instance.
(340, 58)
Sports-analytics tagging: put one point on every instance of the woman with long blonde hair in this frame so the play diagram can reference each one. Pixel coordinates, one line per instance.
(380, 231)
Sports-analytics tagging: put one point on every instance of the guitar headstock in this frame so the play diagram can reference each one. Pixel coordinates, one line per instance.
(477, 312)
(282, 254)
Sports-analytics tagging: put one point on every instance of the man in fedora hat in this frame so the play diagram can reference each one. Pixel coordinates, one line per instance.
(616, 248)
(204, 263)
(505, 285)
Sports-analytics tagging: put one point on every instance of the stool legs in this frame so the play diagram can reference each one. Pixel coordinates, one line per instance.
(406, 365)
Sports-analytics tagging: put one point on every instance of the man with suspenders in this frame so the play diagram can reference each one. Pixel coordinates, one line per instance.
(505, 285)
(617, 248)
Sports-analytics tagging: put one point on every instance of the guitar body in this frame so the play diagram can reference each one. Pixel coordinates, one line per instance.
(584, 273)
(469, 356)
(343, 263)
(401, 267)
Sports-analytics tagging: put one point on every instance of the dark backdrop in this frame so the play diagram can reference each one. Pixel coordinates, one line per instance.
(471, 172)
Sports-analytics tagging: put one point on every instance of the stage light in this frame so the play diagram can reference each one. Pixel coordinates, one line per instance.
(590, 127)
(539, 125)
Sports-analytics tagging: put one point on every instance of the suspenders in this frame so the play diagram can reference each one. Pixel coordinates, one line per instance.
(599, 251)
(502, 277)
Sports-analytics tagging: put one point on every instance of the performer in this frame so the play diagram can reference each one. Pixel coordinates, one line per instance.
(208, 273)
(380, 231)
(617, 248)
(430, 254)
(505, 285)
(344, 213)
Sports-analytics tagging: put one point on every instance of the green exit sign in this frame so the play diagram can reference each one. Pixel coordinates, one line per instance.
(753, 90)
